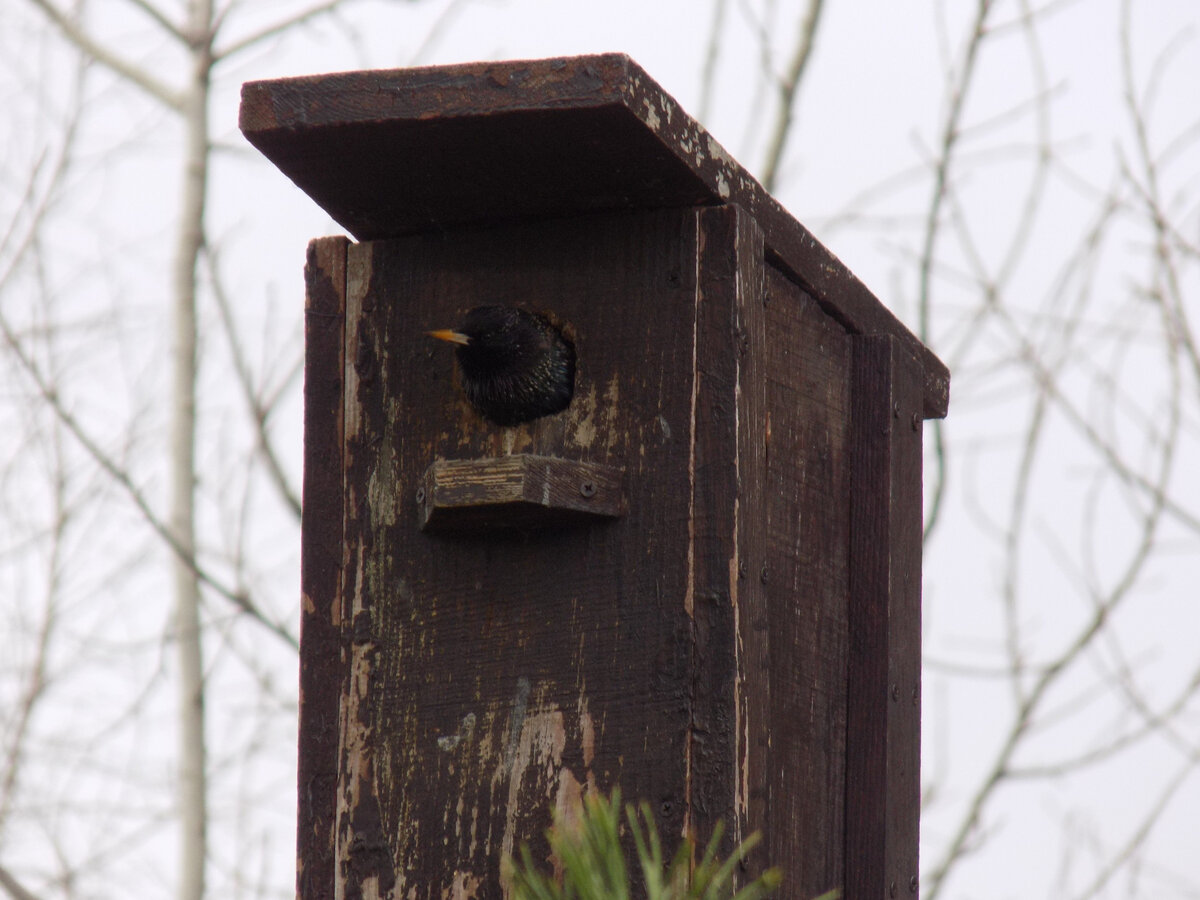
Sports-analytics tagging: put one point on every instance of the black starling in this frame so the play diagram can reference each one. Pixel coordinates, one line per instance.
(516, 365)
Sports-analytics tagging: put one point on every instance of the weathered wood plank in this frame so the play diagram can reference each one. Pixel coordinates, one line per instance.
(755, 728)
(729, 731)
(492, 680)
(884, 704)
(321, 565)
(521, 491)
(807, 372)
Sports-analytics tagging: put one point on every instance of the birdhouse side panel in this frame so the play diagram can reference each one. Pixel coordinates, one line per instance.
(321, 566)
(884, 678)
(807, 513)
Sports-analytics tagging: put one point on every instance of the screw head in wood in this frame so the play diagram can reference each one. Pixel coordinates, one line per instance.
(420, 495)
(916, 421)
(587, 489)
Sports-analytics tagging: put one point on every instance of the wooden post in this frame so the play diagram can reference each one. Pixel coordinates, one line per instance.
(700, 581)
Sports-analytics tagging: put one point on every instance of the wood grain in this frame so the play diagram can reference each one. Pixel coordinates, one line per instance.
(808, 377)
(522, 491)
(494, 680)
(883, 790)
(321, 565)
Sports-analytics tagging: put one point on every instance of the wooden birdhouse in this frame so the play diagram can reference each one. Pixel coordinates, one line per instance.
(699, 581)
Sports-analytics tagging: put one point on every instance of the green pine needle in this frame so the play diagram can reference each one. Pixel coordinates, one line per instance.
(594, 868)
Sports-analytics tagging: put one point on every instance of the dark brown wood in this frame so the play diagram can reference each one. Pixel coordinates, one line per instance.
(521, 491)
(493, 680)
(729, 735)
(683, 651)
(736, 646)
(321, 564)
(395, 152)
(884, 700)
(807, 370)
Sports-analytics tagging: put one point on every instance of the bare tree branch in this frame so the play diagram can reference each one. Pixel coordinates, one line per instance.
(1081, 423)
(13, 887)
(276, 29)
(951, 129)
(37, 674)
(788, 88)
(161, 20)
(1029, 702)
(75, 33)
(50, 396)
(1138, 837)
(259, 411)
(712, 52)
(440, 27)
(1152, 194)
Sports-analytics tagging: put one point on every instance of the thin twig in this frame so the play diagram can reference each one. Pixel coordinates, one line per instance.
(712, 53)
(50, 396)
(951, 130)
(161, 19)
(143, 79)
(270, 31)
(1115, 861)
(788, 87)
(1152, 192)
(13, 886)
(259, 411)
(1031, 701)
(440, 27)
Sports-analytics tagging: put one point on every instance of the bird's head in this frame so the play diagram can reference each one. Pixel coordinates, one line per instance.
(516, 365)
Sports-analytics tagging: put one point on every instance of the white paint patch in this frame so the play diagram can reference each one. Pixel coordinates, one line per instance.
(538, 755)
(464, 886)
(651, 117)
(466, 728)
(717, 152)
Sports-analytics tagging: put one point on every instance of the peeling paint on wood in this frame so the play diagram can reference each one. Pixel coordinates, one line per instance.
(466, 717)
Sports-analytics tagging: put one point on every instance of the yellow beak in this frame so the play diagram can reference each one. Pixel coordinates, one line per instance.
(453, 337)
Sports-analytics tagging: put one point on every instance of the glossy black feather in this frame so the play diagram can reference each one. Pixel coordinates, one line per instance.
(516, 365)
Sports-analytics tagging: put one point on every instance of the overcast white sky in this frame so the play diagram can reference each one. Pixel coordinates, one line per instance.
(870, 111)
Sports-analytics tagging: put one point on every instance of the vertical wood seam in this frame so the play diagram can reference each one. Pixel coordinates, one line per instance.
(883, 707)
(689, 599)
(321, 567)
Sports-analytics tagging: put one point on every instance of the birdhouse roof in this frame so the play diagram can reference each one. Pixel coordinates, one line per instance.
(394, 152)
